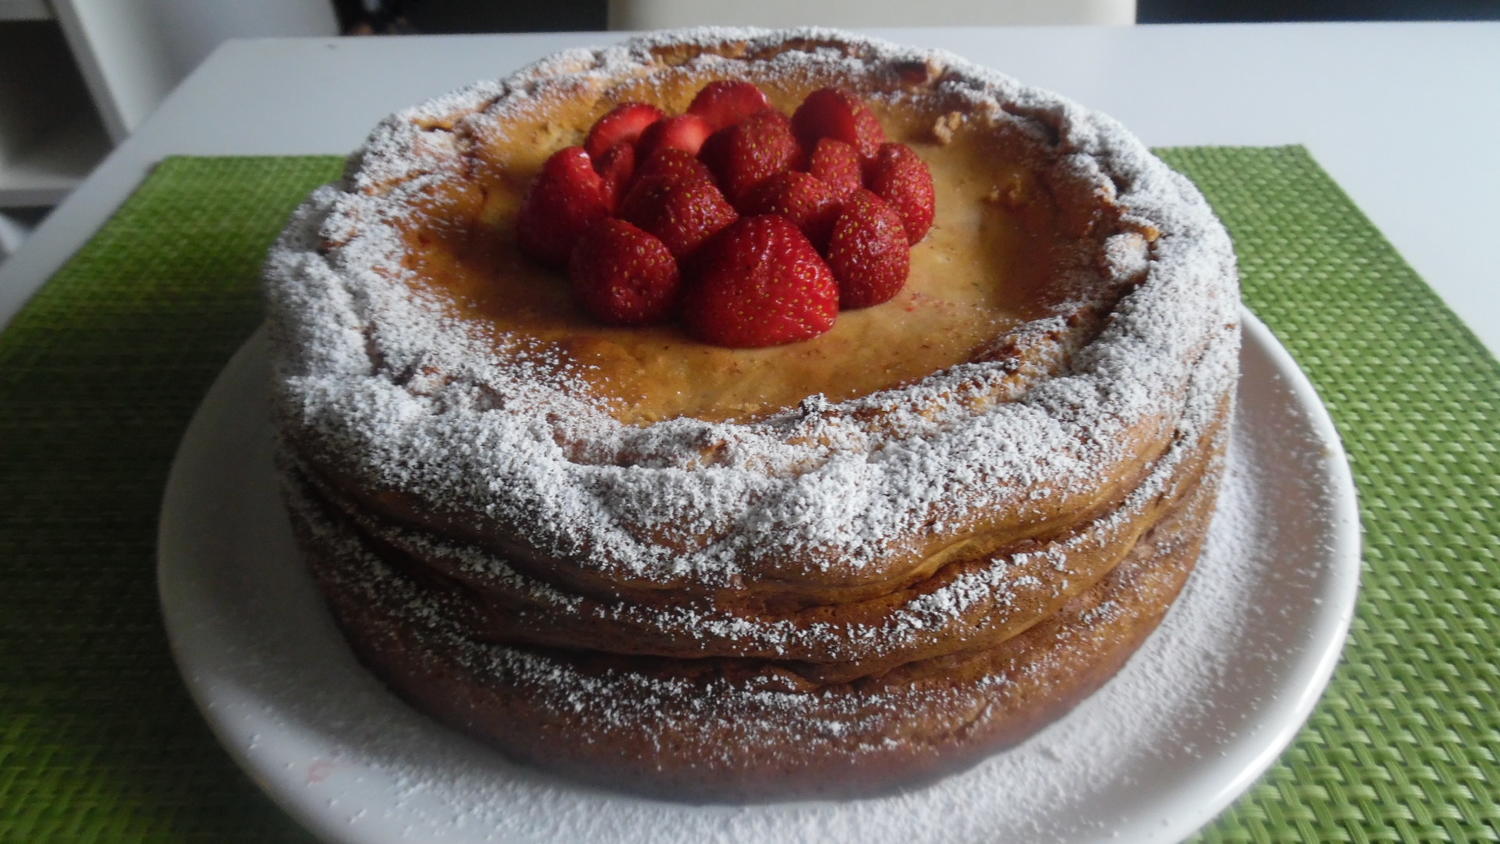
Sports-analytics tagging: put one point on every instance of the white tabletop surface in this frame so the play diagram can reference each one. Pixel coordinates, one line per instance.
(1404, 116)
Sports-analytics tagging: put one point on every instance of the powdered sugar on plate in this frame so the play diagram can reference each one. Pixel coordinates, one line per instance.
(1201, 708)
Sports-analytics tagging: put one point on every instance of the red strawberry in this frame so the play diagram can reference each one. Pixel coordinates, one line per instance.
(565, 198)
(686, 132)
(746, 154)
(838, 114)
(725, 102)
(672, 165)
(622, 275)
(801, 198)
(868, 252)
(837, 165)
(616, 167)
(622, 125)
(901, 178)
(682, 212)
(760, 284)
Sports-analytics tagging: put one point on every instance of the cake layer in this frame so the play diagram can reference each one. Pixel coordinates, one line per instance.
(741, 729)
(968, 601)
(808, 578)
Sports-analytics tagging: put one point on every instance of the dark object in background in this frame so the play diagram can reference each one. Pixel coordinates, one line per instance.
(437, 17)
(394, 17)
(1249, 11)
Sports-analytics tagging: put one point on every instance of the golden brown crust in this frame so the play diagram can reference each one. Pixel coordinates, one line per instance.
(697, 739)
(1041, 167)
(824, 594)
(986, 592)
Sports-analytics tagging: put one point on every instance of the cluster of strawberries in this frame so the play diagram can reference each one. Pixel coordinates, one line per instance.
(752, 227)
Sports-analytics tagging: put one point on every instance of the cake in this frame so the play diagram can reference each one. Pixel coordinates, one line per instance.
(848, 563)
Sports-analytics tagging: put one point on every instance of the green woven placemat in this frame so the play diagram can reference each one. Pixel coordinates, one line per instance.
(101, 371)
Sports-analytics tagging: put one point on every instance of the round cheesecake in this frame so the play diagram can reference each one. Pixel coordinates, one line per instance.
(825, 567)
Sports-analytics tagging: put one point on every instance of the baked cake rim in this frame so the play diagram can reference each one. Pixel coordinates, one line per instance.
(805, 451)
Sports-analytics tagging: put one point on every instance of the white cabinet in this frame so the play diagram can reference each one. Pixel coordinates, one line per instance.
(77, 76)
(51, 134)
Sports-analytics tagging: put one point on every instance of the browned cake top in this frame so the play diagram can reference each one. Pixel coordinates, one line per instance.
(982, 270)
(1074, 304)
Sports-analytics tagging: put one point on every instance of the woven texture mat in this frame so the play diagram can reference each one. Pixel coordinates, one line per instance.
(102, 370)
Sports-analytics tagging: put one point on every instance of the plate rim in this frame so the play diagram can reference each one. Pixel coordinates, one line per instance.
(1344, 560)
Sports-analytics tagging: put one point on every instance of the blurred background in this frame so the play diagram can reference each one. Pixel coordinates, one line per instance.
(435, 16)
(77, 76)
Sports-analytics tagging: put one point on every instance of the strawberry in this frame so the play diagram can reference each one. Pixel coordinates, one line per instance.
(868, 252)
(760, 283)
(622, 275)
(837, 165)
(622, 125)
(746, 154)
(683, 212)
(901, 178)
(566, 197)
(616, 167)
(801, 198)
(686, 132)
(725, 102)
(838, 114)
(673, 165)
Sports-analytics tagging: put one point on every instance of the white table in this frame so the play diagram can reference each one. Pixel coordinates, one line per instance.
(1406, 117)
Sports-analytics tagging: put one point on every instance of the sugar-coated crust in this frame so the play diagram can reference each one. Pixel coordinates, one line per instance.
(828, 496)
(722, 730)
(833, 598)
(972, 601)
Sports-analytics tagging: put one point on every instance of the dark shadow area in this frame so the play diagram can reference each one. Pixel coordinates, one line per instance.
(462, 16)
(1247, 11)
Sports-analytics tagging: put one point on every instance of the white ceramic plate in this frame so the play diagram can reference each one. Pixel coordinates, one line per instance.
(1206, 705)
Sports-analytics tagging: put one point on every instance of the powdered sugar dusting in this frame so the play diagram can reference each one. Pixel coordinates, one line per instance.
(1192, 695)
(517, 441)
(952, 613)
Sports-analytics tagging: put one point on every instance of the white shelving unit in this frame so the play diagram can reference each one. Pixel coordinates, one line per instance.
(50, 132)
(52, 161)
(77, 77)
